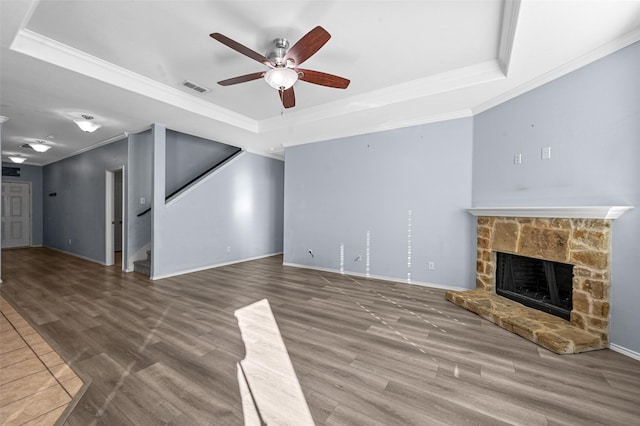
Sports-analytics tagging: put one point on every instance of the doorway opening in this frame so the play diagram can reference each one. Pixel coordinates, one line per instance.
(114, 218)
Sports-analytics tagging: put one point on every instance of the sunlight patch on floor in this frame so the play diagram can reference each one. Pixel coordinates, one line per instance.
(271, 393)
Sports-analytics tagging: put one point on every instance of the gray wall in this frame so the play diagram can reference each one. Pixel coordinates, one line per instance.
(238, 207)
(189, 156)
(337, 191)
(74, 220)
(31, 174)
(591, 120)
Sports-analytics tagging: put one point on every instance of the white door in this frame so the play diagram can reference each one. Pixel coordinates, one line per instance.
(16, 214)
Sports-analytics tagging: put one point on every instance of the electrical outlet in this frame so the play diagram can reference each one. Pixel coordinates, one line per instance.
(546, 153)
(517, 159)
(228, 249)
(431, 266)
(142, 200)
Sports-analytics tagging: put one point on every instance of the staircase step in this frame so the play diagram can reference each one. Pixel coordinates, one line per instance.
(142, 266)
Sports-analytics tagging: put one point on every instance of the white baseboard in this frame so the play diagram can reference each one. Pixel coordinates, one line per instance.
(377, 277)
(624, 351)
(217, 265)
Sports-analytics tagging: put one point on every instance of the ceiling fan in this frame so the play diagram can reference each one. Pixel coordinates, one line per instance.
(283, 64)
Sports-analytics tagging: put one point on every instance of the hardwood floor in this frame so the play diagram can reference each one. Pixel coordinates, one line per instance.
(364, 351)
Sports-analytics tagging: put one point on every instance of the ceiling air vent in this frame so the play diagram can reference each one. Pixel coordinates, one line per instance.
(195, 86)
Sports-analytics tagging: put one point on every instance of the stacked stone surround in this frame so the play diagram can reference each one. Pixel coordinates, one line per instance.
(585, 243)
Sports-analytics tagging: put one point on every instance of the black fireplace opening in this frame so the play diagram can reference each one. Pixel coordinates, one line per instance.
(541, 284)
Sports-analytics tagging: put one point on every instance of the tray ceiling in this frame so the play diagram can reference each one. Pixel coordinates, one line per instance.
(409, 63)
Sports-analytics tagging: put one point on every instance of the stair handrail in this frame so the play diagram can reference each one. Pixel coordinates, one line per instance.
(195, 179)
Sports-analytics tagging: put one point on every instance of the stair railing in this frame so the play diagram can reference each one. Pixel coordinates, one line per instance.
(195, 179)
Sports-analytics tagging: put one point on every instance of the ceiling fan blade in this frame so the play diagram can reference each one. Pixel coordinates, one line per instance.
(309, 44)
(241, 79)
(287, 97)
(323, 79)
(241, 49)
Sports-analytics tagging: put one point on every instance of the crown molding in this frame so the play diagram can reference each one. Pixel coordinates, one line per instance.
(510, 15)
(460, 78)
(339, 133)
(586, 59)
(40, 47)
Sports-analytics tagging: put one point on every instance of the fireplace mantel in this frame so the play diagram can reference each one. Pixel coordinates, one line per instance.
(574, 212)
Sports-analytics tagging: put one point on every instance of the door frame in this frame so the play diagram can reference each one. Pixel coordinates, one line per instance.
(109, 216)
(30, 205)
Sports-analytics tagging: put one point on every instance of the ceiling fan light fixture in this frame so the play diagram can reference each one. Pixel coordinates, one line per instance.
(281, 78)
(39, 146)
(18, 160)
(86, 125)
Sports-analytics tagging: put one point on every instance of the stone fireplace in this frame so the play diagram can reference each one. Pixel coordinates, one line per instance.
(580, 236)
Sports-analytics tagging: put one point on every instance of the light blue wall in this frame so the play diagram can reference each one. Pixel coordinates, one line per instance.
(186, 158)
(337, 191)
(74, 220)
(239, 207)
(31, 174)
(591, 120)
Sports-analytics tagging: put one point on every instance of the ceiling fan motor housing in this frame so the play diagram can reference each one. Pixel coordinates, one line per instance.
(278, 51)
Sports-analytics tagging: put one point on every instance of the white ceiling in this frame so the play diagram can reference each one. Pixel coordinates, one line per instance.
(409, 62)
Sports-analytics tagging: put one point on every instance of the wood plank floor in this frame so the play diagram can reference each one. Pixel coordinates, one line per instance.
(364, 351)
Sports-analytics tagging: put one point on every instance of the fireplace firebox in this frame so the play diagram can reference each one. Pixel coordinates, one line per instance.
(541, 284)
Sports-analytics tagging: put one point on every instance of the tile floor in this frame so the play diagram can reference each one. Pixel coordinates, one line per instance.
(36, 385)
